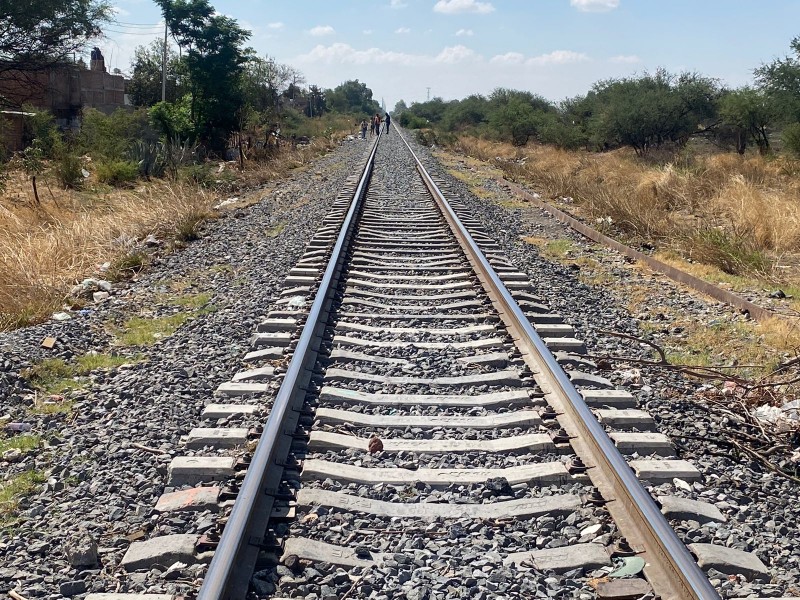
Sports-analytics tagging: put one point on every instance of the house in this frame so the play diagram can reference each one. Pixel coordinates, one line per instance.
(65, 90)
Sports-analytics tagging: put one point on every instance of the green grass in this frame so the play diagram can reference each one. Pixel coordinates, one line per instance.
(127, 266)
(15, 489)
(276, 229)
(56, 376)
(52, 376)
(196, 301)
(24, 443)
(140, 331)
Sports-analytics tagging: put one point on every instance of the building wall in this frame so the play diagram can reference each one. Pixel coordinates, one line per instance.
(64, 91)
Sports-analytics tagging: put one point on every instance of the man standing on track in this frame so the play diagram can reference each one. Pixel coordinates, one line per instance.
(388, 122)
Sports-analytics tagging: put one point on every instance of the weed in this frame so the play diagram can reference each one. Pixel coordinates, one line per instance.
(56, 376)
(13, 490)
(222, 269)
(276, 229)
(69, 171)
(23, 443)
(117, 172)
(188, 229)
(94, 362)
(140, 331)
(52, 407)
(127, 266)
(52, 376)
(732, 254)
(195, 301)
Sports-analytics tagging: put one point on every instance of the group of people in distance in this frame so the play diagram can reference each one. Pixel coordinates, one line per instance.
(374, 125)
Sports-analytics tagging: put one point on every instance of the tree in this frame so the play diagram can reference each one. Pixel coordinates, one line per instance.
(214, 61)
(647, 111)
(352, 97)
(316, 101)
(471, 111)
(518, 116)
(36, 35)
(399, 108)
(747, 113)
(780, 80)
(145, 84)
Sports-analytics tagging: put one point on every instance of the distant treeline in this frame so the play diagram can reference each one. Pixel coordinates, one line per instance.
(645, 112)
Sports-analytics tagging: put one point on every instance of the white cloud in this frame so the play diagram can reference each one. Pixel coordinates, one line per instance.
(342, 54)
(396, 4)
(346, 54)
(558, 57)
(321, 30)
(625, 59)
(452, 7)
(509, 58)
(118, 11)
(402, 30)
(595, 5)
(276, 25)
(462, 32)
(455, 54)
(367, 32)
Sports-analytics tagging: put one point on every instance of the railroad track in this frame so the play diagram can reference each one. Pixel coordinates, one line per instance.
(435, 433)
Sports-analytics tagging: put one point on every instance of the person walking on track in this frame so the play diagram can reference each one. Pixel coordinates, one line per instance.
(388, 122)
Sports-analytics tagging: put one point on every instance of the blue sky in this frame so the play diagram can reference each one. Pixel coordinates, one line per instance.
(556, 48)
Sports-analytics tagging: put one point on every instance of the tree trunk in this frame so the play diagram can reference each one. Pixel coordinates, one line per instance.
(35, 191)
(241, 153)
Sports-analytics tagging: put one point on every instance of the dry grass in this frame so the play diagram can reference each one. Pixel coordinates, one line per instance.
(44, 250)
(740, 213)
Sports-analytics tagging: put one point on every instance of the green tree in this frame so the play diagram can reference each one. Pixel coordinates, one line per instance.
(469, 112)
(38, 34)
(317, 104)
(518, 116)
(748, 114)
(648, 111)
(431, 110)
(780, 80)
(351, 97)
(399, 107)
(145, 84)
(215, 60)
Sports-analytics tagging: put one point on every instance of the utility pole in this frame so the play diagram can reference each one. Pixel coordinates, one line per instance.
(429, 93)
(164, 66)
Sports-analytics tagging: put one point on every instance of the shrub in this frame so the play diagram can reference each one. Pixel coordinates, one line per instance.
(730, 253)
(110, 136)
(117, 172)
(791, 139)
(69, 170)
(199, 174)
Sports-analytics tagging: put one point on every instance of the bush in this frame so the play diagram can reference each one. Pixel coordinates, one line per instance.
(198, 174)
(69, 170)
(41, 126)
(117, 172)
(791, 139)
(412, 121)
(110, 136)
(732, 254)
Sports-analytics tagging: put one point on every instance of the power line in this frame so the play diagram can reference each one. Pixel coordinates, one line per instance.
(136, 24)
(147, 33)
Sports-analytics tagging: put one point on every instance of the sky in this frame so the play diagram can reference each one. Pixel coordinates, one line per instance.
(415, 49)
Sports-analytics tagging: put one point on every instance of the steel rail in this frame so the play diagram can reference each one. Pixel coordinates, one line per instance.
(231, 568)
(671, 569)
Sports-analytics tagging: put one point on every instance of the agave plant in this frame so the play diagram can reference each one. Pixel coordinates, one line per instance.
(149, 156)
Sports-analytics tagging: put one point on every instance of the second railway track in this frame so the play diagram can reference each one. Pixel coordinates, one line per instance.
(424, 442)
